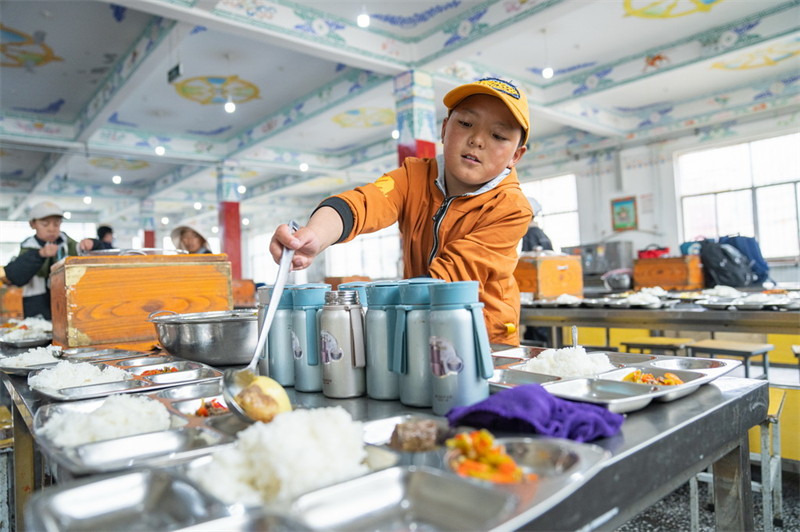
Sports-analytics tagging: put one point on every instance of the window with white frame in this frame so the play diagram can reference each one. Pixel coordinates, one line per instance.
(375, 255)
(750, 189)
(558, 197)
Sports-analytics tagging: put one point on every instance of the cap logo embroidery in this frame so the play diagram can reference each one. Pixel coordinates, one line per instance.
(500, 86)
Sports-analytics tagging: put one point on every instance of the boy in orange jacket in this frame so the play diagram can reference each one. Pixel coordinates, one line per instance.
(461, 214)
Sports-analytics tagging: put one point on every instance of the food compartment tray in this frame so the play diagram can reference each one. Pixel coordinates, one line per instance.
(194, 372)
(692, 380)
(509, 378)
(616, 396)
(404, 498)
(28, 342)
(135, 501)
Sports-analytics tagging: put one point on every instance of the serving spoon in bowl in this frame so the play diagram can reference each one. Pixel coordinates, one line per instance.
(236, 380)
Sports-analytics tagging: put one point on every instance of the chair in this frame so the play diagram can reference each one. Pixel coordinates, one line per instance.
(735, 349)
(770, 486)
(657, 343)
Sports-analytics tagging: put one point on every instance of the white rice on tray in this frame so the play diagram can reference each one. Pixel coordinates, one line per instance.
(33, 357)
(118, 416)
(569, 362)
(27, 329)
(296, 453)
(67, 375)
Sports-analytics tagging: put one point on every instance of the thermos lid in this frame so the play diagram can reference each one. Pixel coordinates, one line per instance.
(309, 295)
(342, 297)
(383, 293)
(359, 286)
(265, 292)
(415, 291)
(454, 293)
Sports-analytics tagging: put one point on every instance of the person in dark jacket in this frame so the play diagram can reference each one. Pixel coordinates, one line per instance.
(105, 235)
(31, 268)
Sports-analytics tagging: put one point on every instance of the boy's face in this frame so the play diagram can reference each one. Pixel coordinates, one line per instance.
(192, 242)
(47, 229)
(481, 138)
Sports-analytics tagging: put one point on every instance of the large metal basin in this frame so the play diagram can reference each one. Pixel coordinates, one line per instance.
(221, 338)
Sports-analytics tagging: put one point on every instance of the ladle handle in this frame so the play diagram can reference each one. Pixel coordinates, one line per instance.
(574, 336)
(284, 266)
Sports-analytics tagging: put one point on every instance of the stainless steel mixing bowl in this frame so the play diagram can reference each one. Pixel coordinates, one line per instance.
(221, 338)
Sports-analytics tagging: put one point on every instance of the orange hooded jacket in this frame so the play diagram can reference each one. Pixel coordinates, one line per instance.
(476, 238)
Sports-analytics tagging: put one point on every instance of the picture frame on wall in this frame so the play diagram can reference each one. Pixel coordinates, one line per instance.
(623, 214)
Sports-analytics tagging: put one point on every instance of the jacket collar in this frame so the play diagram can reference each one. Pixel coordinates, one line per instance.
(442, 185)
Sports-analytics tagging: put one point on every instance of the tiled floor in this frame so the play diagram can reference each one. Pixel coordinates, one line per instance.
(673, 514)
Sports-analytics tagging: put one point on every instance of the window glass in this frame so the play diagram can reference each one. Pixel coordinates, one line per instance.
(735, 213)
(562, 229)
(698, 217)
(715, 170)
(777, 213)
(776, 160)
(558, 197)
(375, 255)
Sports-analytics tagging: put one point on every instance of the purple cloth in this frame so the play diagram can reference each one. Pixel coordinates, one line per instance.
(529, 408)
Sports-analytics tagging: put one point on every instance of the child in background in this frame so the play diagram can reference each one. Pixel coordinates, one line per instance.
(461, 214)
(31, 268)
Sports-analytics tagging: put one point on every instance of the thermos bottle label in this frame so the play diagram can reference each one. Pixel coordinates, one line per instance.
(297, 351)
(444, 359)
(331, 352)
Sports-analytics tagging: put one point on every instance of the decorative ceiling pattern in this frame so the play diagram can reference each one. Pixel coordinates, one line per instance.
(91, 90)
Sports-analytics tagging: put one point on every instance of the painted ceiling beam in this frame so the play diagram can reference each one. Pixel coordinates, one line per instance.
(302, 30)
(50, 166)
(151, 48)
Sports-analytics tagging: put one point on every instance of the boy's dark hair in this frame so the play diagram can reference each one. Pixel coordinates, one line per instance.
(103, 230)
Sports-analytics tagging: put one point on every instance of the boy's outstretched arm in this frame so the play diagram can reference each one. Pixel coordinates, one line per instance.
(324, 229)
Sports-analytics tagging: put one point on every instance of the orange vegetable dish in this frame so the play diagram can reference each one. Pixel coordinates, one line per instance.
(169, 369)
(669, 379)
(478, 457)
(211, 408)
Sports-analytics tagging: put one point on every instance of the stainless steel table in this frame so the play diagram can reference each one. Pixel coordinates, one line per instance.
(658, 449)
(682, 317)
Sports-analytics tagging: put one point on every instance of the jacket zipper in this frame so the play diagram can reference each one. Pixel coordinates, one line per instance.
(437, 222)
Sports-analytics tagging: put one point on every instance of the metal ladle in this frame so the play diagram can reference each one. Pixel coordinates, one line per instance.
(236, 380)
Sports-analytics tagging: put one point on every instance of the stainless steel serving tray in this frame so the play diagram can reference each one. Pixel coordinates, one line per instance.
(135, 501)
(38, 341)
(608, 389)
(189, 437)
(85, 355)
(188, 372)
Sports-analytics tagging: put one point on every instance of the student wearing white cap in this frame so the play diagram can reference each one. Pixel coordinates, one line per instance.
(31, 268)
(190, 239)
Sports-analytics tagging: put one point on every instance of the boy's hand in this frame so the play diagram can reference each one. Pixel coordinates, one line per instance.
(48, 250)
(304, 241)
(86, 244)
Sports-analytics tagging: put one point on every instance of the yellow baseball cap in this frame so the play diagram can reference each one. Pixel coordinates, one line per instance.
(514, 98)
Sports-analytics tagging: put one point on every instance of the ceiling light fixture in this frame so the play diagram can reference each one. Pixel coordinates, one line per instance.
(67, 215)
(198, 205)
(116, 179)
(303, 167)
(160, 150)
(164, 220)
(395, 134)
(242, 189)
(245, 221)
(547, 71)
(215, 229)
(230, 107)
(87, 200)
(363, 18)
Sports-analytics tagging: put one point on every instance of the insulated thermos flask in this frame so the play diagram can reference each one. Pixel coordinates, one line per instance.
(460, 356)
(383, 297)
(278, 362)
(307, 302)
(411, 334)
(361, 288)
(342, 350)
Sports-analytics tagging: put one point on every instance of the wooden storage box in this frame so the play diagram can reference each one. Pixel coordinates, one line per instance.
(10, 302)
(548, 277)
(244, 293)
(677, 273)
(105, 301)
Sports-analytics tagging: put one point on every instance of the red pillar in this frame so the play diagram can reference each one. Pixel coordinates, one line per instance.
(231, 235)
(150, 239)
(420, 148)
